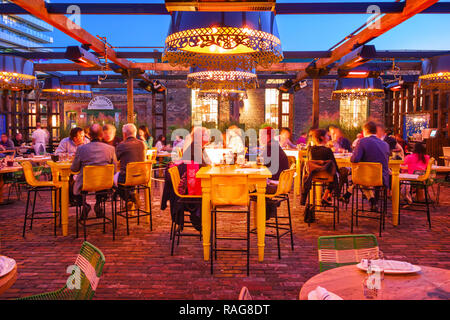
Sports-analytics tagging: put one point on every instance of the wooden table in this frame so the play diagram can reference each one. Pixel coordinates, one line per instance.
(8, 280)
(346, 282)
(258, 179)
(441, 169)
(4, 170)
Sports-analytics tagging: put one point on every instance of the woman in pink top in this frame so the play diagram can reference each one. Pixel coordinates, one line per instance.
(417, 161)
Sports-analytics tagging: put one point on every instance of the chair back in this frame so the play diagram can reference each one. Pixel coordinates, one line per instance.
(229, 190)
(245, 294)
(28, 172)
(55, 172)
(337, 251)
(285, 182)
(175, 178)
(367, 174)
(426, 176)
(90, 262)
(446, 153)
(138, 173)
(98, 178)
(292, 161)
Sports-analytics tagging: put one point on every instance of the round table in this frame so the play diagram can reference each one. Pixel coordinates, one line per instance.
(346, 282)
(8, 280)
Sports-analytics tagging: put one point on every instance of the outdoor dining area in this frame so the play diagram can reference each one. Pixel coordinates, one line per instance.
(220, 166)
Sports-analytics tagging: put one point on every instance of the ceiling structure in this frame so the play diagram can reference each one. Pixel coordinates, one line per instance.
(294, 65)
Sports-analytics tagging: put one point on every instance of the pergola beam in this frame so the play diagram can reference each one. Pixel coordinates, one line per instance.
(383, 24)
(280, 8)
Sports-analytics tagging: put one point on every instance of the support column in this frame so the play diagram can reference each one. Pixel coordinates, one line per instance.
(130, 99)
(315, 109)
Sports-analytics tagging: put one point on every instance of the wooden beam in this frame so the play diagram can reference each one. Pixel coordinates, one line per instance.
(315, 103)
(130, 99)
(385, 23)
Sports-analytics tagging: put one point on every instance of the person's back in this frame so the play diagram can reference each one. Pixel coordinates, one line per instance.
(129, 150)
(372, 149)
(283, 162)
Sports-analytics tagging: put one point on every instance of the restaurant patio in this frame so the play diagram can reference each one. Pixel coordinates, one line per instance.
(142, 158)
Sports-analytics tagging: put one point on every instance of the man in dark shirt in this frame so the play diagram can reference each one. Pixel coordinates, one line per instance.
(109, 135)
(6, 144)
(130, 150)
(275, 158)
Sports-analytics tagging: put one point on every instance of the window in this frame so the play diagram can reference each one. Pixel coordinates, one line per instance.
(204, 111)
(353, 113)
(272, 107)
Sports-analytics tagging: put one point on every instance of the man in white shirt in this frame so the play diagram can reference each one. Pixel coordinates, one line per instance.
(39, 139)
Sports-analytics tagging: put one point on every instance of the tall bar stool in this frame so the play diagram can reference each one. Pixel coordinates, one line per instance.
(37, 187)
(320, 180)
(137, 179)
(281, 195)
(419, 181)
(227, 191)
(179, 223)
(98, 181)
(368, 176)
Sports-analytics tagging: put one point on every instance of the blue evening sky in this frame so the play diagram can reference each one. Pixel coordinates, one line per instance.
(297, 32)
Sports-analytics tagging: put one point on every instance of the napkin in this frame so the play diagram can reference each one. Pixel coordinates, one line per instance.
(6, 264)
(389, 264)
(323, 294)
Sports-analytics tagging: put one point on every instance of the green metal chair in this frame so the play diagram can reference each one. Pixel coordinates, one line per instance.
(338, 251)
(90, 261)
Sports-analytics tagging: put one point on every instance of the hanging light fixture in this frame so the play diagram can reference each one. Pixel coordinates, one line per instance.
(222, 95)
(221, 80)
(435, 73)
(53, 89)
(355, 89)
(223, 40)
(16, 73)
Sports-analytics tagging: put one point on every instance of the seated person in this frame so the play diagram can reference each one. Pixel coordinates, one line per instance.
(144, 135)
(319, 151)
(417, 162)
(371, 149)
(95, 153)
(70, 144)
(303, 138)
(394, 147)
(195, 150)
(6, 144)
(18, 140)
(129, 150)
(161, 144)
(178, 143)
(340, 143)
(234, 140)
(109, 135)
(284, 139)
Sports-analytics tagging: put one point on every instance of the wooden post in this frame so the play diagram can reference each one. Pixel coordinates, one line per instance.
(130, 99)
(315, 110)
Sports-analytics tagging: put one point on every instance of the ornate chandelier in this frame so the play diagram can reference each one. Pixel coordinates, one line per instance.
(16, 73)
(357, 89)
(435, 73)
(223, 40)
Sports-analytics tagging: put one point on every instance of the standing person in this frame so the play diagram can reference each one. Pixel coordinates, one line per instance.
(285, 139)
(129, 150)
(371, 149)
(39, 139)
(109, 135)
(70, 144)
(6, 144)
(95, 153)
(340, 143)
(144, 135)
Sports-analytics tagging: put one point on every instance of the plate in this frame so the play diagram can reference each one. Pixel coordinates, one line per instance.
(6, 265)
(388, 271)
(312, 296)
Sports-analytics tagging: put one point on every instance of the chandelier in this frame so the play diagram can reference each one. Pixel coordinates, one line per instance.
(435, 73)
(53, 89)
(358, 89)
(16, 73)
(223, 95)
(223, 40)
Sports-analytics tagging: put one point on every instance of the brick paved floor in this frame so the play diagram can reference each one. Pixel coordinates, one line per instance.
(139, 266)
